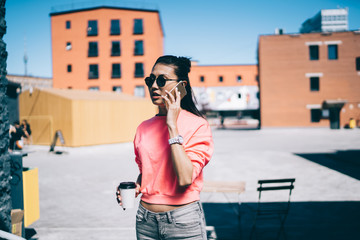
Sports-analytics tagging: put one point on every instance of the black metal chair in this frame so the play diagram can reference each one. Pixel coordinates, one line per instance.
(272, 210)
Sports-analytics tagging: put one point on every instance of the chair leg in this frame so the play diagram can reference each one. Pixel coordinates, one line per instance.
(239, 217)
(253, 228)
(282, 230)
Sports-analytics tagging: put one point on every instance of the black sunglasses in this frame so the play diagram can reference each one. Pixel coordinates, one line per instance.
(160, 80)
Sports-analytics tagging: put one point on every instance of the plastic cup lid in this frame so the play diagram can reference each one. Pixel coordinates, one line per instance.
(127, 185)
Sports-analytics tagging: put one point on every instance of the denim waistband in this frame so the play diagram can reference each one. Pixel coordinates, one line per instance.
(169, 214)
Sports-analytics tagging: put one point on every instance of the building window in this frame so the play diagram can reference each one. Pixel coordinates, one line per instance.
(93, 49)
(221, 79)
(115, 48)
(357, 63)
(314, 84)
(139, 70)
(68, 46)
(238, 79)
(94, 88)
(69, 68)
(138, 26)
(202, 79)
(93, 71)
(68, 24)
(117, 89)
(139, 48)
(92, 29)
(116, 70)
(115, 27)
(325, 113)
(139, 91)
(333, 52)
(314, 52)
(315, 115)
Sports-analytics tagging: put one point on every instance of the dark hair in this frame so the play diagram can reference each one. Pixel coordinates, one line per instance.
(182, 67)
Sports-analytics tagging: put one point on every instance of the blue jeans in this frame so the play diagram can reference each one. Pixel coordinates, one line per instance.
(186, 222)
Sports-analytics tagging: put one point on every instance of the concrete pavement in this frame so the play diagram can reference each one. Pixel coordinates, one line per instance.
(77, 188)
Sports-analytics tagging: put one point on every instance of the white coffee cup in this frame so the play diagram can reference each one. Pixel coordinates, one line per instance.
(127, 192)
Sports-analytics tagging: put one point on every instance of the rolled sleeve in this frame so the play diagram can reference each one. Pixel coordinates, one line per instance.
(137, 158)
(199, 149)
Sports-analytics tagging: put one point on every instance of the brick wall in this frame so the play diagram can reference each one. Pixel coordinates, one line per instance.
(285, 69)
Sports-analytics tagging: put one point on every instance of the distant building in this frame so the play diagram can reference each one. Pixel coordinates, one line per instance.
(30, 82)
(18, 84)
(327, 20)
(309, 79)
(105, 48)
(226, 88)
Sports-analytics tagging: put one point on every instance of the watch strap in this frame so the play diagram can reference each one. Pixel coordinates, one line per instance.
(176, 140)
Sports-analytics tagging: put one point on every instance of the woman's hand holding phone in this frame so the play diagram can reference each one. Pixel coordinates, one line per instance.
(173, 108)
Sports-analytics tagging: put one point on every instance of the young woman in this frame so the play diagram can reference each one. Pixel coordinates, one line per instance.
(171, 151)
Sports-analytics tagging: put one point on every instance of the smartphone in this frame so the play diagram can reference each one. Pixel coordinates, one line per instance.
(181, 89)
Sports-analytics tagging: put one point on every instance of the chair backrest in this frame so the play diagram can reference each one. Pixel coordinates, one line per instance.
(276, 184)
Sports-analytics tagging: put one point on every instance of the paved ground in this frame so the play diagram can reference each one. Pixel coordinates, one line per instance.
(77, 189)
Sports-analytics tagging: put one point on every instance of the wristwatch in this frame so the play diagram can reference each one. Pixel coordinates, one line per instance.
(178, 140)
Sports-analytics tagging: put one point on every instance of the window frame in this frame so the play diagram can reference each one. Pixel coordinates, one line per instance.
(117, 29)
(95, 76)
(136, 48)
(141, 73)
(312, 82)
(221, 78)
(68, 46)
(94, 53)
(315, 115)
(202, 78)
(313, 57)
(113, 53)
(330, 52)
(113, 76)
(94, 88)
(117, 86)
(69, 68)
(357, 64)
(139, 87)
(138, 27)
(92, 32)
(67, 24)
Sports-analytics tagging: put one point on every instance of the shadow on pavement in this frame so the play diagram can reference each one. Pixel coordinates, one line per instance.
(346, 162)
(306, 220)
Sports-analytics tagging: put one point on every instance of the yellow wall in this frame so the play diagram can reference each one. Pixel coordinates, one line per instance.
(31, 196)
(83, 121)
(103, 122)
(46, 113)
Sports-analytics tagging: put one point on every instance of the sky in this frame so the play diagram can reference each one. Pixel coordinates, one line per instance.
(210, 32)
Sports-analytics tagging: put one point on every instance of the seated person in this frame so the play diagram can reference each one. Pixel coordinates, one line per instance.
(16, 133)
(27, 130)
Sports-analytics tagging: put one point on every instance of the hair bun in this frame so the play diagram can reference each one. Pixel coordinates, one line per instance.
(185, 62)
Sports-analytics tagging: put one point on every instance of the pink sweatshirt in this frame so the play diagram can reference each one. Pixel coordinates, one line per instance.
(153, 156)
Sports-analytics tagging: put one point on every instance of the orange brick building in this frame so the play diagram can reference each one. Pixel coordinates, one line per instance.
(223, 75)
(309, 79)
(105, 48)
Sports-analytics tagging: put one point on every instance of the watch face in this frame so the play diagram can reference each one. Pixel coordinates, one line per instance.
(181, 140)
